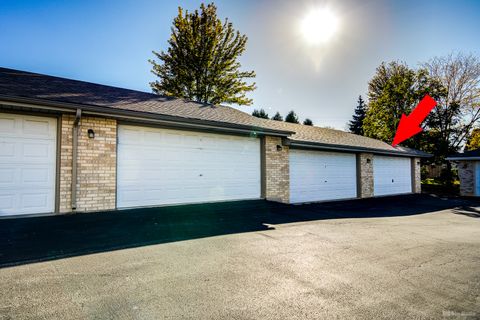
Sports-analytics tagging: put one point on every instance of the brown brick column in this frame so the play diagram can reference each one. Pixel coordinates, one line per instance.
(276, 170)
(365, 175)
(416, 176)
(96, 164)
(466, 174)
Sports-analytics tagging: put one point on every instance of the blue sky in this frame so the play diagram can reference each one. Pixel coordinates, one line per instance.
(109, 42)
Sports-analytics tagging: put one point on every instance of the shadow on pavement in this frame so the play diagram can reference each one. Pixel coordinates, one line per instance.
(27, 240)
(468, 211)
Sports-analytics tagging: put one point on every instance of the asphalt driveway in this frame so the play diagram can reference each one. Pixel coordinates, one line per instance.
(402, 257)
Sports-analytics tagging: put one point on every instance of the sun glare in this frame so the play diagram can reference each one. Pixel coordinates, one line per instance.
(319, 26)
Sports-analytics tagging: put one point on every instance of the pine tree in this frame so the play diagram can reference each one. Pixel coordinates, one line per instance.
(308, 122)
(260, 114)
(277, 117)
(292, 117)
(201, 63)
(356, 124)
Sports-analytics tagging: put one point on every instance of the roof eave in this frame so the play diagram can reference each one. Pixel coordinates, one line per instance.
(344, 148)
(462, 158)
(138, 115)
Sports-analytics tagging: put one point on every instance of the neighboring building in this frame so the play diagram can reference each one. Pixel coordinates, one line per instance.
(434, 171)
(468, 164)
(69, 145)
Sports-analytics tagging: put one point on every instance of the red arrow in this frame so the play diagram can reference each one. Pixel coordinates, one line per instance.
(410, 126)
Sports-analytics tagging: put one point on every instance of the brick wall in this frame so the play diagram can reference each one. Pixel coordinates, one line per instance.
(276, 170)
(416, 176)
(466, 174)
(96, 166)
(365, 175)
(66, 163)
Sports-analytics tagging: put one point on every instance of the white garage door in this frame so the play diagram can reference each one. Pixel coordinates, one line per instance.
(318, 176)
(392, 175)
(162, 166)
(27, 164)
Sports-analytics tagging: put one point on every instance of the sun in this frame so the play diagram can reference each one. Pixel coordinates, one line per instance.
(319, 26)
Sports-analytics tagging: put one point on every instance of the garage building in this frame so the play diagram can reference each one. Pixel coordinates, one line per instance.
(69, 146)
(468, 165)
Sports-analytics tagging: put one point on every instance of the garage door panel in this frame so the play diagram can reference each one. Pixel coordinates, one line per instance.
(163, 166)
(34, 199)
(35, 150)
(392, 175)
(129, 194)
(7, 150)
(26, 150)
(36, 176)
(320, 176)
(29, 201)
(27, 164)
(38, 128)
(7, 202)
(7, 125)
(7, 176)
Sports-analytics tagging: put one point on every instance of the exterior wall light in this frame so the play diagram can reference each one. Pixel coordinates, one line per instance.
(91, 133)
(279, 147)
(369, 160)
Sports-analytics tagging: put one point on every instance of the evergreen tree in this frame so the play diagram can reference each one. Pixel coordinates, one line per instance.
(308, 122)
(201, 62)
(260, 114)
(292, 117)
(277, 117)
(356, 124)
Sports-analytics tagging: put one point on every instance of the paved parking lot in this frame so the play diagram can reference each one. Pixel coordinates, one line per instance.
(404, 257)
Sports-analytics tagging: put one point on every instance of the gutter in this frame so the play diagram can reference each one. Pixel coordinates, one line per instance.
(463, 158)
(167, 120)
(78, 116)
(344, 148)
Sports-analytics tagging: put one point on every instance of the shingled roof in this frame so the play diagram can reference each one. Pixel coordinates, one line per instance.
(17, 83)
(467, 155)
(324, 137)
(39, 88)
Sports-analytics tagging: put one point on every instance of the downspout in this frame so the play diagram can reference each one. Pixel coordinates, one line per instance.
(78, 116)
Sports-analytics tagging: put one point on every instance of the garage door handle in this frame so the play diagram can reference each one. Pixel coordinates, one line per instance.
(200, 175)
(392, 181)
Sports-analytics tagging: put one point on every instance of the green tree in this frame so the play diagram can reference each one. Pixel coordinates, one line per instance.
(473, 141)
(277, 117)
(356, 124)
(396, 89)
(291, 117)
(308, 122)
(260, 114)
(201, 62)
